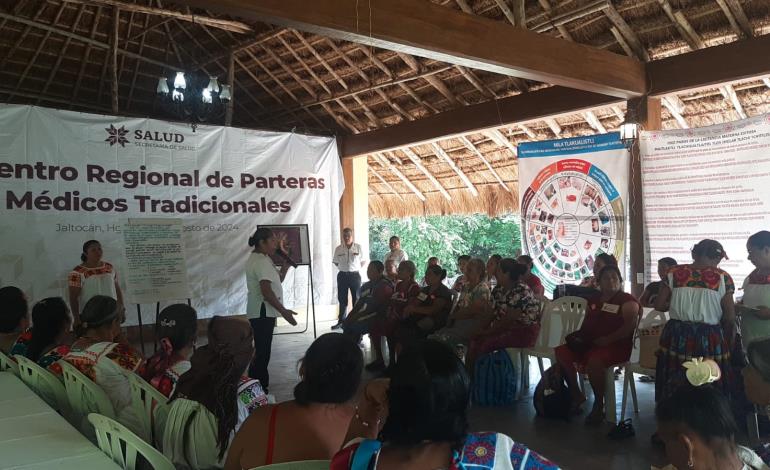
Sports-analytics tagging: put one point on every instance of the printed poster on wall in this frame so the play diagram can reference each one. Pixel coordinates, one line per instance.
(68, 177)
(710, 182)
(573, 198)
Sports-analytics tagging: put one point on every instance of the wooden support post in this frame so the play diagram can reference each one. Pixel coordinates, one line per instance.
(230, 83)
(354, 204)
(648, 113)
(114, 55)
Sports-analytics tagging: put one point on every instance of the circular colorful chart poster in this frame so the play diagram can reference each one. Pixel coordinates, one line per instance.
(571, 212)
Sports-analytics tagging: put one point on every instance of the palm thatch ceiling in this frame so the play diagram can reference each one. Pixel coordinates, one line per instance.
(57, 53)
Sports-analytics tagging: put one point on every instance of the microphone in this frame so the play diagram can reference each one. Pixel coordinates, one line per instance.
(286, 257)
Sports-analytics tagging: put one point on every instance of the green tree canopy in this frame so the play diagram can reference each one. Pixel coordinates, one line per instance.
(447, 237)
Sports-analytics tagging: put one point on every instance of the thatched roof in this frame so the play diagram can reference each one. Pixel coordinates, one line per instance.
(56, 53)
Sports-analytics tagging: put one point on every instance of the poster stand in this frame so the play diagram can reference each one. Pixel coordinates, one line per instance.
(299, 234)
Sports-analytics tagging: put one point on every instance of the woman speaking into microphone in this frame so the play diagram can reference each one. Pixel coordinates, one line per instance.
(265, 298)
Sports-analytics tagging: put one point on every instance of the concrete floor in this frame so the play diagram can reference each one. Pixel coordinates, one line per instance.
(573, 445)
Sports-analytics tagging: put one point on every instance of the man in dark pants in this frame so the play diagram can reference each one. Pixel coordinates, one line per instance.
(348, 257)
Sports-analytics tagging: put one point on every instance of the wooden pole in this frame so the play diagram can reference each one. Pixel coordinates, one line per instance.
(114, 55)
(648, 113)
(230, 83)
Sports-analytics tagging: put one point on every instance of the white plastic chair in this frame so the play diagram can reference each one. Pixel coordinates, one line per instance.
(84, 397)
(150, 406)
(8, 365)
(123, 446)
(45, 384)
(560, 318)
(753, 423)
(306, 465)
(631, 368)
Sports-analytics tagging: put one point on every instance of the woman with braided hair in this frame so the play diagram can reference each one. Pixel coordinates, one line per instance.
(213, 398)
(177, 329)
(314, 424)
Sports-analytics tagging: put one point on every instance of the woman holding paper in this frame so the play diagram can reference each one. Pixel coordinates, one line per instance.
(755, 307)
(265, 299)
(92, 277)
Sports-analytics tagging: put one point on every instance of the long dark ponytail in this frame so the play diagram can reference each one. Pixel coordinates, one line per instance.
(50, 317)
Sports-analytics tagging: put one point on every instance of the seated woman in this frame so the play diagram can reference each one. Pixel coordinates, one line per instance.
(698, 429)
(529, 278)
(372, 302)
(605, 338)
(406, 292)
(650, 294)
(514, 320)
(49, 338)
(314, 424)
(429, 311)
(14, 318)
(469, 316)
(602, 260)
(108, 363)
(462, 262)
(427, 421)
(177, 329)
(213, 398)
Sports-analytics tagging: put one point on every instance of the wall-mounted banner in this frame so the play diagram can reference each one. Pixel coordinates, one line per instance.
(710, 182)
(573, 204)
(68, 177)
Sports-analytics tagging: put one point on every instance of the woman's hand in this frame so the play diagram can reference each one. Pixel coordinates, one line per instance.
(289, 315)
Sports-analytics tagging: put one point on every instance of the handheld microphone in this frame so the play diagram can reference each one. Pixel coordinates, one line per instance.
(286, 257)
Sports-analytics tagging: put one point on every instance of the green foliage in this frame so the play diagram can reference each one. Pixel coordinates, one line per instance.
(447, 237)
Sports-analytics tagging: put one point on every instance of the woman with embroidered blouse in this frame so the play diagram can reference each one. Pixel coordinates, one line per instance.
(754, 309)
(177, 329)
(702, 318)
(424, 408)
(99, 357)
(48, 340)
(93, 276)
(514, 319)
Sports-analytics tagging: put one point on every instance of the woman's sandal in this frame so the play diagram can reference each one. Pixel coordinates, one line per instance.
(622, 430)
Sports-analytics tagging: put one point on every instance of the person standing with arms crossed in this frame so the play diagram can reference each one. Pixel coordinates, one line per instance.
(348, 257)
(265, 299)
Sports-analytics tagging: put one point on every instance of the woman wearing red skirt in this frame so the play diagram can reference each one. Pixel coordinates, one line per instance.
(605, 339)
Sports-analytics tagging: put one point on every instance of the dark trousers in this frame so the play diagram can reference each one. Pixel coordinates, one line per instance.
(263, 342)
(347, 281)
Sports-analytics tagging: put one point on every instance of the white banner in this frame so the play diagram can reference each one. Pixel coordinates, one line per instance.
(573, 195)
(710, 182)
(68, 177)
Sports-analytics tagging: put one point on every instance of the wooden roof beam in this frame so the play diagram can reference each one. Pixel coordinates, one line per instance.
(501, 140)
(554, 126)
(766, 81)
(737, 17)
(463, 4)
(567, 17)
(435, 32)
(385, 163)
(416, 160)
(382, 180)
(675, 111)
(468, 183)
(526, 107)
(729, 93)
(594, 122)
(481, 157)
(628, 33)
(696, 70)
(546, 5)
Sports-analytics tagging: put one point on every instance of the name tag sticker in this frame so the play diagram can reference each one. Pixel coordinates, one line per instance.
(422, 297)
(611, 308)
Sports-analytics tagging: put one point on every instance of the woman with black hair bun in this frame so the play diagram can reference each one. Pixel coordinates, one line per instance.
(700, 302)
(314, 424)
(177, 330)
(430, 310)
(48, 339)
(425, 410)
(697, 426)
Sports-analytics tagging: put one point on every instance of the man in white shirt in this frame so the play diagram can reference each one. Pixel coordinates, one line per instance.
(349, 258)
(397, 255)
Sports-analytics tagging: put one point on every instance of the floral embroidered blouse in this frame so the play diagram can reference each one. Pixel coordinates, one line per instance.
(49, 360)
(519, 297)
(696, 293)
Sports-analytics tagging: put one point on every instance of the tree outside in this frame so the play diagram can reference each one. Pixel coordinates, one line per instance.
(447, 237)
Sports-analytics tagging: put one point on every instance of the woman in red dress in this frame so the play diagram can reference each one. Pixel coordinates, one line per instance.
(605, 339)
